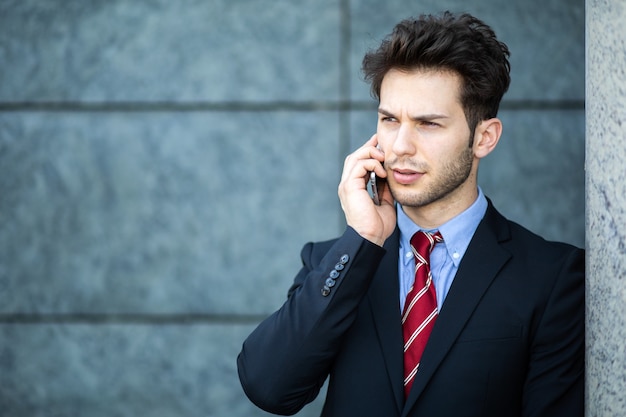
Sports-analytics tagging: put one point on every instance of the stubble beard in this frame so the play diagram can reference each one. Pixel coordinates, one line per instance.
(453, 174)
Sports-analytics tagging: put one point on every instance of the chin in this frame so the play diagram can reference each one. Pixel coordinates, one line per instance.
(410, 197)
(407, 197)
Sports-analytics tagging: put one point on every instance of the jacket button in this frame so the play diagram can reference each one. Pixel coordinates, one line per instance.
(339, 266)
(344, 259)
(334, 274)
(330, 282)
(325, 291)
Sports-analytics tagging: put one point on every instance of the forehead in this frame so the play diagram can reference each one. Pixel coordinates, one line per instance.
(421, 88)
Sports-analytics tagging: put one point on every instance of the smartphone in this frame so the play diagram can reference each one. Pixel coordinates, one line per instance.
(374, 185)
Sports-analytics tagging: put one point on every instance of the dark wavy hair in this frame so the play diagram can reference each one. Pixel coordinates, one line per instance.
(462, 44)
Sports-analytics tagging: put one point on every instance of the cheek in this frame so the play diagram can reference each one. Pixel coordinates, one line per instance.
(385, 139)
(439, 156)
(380, 131)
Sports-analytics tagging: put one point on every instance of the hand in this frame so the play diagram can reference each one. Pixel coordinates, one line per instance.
(372, 222)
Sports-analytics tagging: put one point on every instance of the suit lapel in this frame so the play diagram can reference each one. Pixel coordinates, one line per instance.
(482, 261)
(385, 308)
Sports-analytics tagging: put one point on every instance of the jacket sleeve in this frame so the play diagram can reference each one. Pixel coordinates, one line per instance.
(286, 359)
(555, 379)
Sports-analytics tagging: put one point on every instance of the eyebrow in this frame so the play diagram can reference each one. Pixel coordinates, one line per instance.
(422, 117)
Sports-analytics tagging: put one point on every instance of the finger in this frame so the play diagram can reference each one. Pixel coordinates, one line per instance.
(363, 160)
(369, 150)
(376, 152)
(356, 168)
(372, 141)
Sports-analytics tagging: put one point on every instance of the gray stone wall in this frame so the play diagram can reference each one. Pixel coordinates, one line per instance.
(162, 163)
(606, 208)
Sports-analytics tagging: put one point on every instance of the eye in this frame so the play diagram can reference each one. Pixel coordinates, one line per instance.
(430, 124)
(387, 119)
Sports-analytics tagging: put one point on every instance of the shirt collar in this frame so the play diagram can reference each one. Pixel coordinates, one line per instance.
(457, 232)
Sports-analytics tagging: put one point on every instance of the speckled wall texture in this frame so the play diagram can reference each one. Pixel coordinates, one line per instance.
(162, 163)
(606, 208)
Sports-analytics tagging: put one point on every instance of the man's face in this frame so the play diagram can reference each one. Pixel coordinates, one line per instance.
(424, 133)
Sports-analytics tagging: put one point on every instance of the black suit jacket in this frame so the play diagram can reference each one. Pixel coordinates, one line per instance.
(509, 339)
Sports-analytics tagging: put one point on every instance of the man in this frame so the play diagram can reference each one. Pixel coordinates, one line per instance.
(502, 330)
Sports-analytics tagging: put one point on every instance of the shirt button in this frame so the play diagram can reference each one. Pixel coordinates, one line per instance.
(408, 255)
(456, 255)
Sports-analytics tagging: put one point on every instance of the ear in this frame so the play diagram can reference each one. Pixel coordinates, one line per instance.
(486, 137)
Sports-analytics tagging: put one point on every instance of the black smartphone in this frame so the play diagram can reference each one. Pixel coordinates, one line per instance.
(374, 185)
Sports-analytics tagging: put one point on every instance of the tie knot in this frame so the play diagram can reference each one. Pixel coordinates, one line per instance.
(424, 242)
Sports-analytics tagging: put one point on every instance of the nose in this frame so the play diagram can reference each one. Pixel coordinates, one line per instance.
(404, 141)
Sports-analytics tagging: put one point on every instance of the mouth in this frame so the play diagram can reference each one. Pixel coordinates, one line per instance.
(406, 176)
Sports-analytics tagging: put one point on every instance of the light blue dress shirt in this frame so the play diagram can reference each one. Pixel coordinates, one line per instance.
(446, 256)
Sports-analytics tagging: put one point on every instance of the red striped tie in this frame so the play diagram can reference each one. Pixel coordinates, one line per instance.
(420, 307)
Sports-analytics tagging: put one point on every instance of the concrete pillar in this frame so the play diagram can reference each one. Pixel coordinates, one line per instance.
(606, 207)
